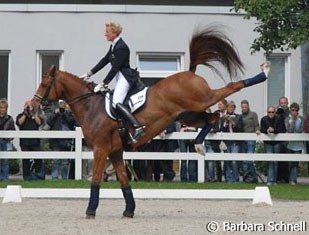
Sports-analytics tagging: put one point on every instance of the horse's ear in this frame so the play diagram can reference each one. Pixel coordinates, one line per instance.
(51, 70)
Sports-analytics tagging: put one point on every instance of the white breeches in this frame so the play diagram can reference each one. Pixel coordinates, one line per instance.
(121, 89)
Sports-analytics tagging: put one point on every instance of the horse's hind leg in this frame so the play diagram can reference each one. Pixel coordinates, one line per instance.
(117, 161)
(98, 167)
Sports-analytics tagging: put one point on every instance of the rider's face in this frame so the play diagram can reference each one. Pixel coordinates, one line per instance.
(110, 34)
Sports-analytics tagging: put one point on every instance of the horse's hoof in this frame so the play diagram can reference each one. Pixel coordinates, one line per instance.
(128, 214)
(90, 216)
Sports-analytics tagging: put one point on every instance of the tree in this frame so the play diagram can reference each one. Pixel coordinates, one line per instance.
(282, 24)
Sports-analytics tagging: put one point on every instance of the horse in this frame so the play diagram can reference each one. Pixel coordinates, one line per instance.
(184, 94)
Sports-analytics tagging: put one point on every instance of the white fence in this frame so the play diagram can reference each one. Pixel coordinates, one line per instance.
(78, 154)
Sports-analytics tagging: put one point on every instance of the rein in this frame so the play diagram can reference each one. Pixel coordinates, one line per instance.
(81, 97)
(48, 87)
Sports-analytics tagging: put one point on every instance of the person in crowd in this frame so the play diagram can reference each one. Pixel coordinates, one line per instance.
(156, 167)
(30, 120)
(251, 124)
(188, 168)
(283, 112)
(231, 123)
(6, 124)
(272, 124)
(294, 123)
(306, 129)
(212, 145)
(215, 146)
(165, 145)
(144, 168)
(118, 56)
(61, 119)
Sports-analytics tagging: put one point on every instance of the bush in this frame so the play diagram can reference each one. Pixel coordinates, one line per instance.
(14, 166)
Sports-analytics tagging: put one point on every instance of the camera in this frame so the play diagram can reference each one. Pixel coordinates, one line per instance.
(229, 118)
(61, 110)
(27, 111)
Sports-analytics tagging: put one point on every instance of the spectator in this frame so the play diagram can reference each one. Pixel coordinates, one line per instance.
(215, 144)
(212, 145)
(250, 125)
(188, 168)
(61, 119)
(26, 121)
(231, 122)
(144, 168)
(163, 145)
(6, 123)
(272, 124)
(306, 128)
(294, 124)
(283, 167)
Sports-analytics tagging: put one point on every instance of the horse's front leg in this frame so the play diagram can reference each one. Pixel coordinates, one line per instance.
(100, 156)
(117, 161)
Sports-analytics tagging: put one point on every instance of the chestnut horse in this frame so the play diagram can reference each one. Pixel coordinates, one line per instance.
(184, 92)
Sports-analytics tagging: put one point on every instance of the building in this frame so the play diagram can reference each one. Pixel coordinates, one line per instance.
(69, 34)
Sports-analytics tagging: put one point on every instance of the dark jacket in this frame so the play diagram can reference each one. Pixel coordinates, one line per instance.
(119, 58)
(28, 125)
(56, 121)
(6, 124)
(276, 122)
(238, 127)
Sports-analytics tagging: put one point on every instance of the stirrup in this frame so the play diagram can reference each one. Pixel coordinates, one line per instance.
(131, 139)
(139, 132)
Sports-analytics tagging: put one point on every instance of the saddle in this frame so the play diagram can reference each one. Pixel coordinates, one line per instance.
(135, 99)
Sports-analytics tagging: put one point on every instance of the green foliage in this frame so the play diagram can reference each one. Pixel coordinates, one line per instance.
(14, 165)
(282, 24)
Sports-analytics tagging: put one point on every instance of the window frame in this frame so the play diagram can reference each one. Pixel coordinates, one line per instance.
(179, 56)
(8, 53)
(39, 54)
(287, 78)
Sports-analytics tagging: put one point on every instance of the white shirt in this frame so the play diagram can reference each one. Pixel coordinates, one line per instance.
(115, 41)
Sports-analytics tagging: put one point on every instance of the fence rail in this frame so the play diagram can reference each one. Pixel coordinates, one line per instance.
(78, 154)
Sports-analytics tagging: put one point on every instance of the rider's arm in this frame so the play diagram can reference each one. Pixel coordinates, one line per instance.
(104, 61)
(121, 55)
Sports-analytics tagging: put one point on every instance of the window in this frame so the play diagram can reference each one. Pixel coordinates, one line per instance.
(4, 74)
(155, 66)
(277, 84)
(47, 58)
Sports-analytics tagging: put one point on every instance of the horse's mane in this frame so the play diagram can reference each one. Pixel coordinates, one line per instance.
(208, 45)
(68, 75)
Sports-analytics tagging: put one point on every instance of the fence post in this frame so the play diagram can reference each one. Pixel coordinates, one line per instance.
(78, 152)
(201, 169)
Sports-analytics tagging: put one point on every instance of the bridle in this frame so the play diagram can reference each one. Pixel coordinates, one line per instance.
(47, 87)
(43, 99)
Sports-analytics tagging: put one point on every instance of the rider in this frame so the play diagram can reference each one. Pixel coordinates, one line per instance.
(118, 55)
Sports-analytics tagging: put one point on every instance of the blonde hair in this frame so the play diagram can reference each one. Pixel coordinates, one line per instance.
(231, 103)
(115, 27)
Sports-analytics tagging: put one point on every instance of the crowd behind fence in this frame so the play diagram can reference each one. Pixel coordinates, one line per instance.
(78, 154)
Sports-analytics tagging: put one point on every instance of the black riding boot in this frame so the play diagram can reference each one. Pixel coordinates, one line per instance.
(138, 128)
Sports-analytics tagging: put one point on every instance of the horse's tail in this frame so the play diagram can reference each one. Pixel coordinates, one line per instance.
(208, 45)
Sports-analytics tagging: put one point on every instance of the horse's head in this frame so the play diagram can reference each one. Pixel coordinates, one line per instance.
(48, 89)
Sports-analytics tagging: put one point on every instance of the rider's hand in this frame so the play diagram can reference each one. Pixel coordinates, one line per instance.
(86, 76)
(100, 88)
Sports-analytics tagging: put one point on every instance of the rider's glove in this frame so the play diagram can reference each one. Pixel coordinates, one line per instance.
(86, 76)
(100, 88)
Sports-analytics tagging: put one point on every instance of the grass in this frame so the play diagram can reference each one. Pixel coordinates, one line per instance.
(280, 191)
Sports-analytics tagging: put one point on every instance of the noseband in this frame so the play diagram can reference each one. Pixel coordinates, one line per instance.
(47, 87)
